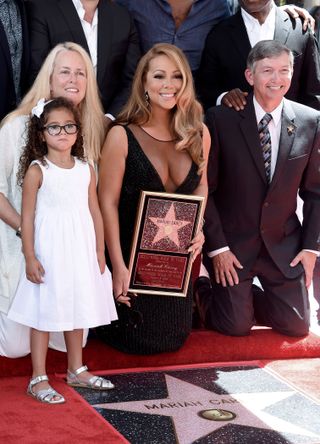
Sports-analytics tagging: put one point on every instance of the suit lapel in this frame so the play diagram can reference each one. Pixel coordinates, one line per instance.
(70, 16)
(105, 33)
(249, 130)
(282, 26)
(287, 137)
(239, 35)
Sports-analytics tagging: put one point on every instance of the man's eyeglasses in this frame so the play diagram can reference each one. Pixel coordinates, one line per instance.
(55, 130)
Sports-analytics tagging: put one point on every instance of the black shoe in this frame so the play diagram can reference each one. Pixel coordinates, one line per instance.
(201, 282)
(201, 290)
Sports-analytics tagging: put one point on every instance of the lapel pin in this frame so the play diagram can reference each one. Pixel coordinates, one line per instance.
(290, 129)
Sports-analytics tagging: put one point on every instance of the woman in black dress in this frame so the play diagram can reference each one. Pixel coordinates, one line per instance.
(158, 143)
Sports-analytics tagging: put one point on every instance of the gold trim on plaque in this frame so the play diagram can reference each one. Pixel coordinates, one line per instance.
(139, 227)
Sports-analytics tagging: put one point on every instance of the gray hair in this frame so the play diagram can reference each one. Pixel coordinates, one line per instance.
(267, 49)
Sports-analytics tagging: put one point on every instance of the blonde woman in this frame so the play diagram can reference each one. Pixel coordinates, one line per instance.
(158, 143)
(67, 72)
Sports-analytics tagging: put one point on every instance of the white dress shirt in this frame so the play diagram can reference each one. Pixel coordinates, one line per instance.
(257, 32)
(90, 31)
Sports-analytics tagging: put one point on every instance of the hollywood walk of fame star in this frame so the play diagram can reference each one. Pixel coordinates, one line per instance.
(186, 401)
(168, 226)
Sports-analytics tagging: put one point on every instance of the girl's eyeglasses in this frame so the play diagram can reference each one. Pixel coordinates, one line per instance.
(55, 130)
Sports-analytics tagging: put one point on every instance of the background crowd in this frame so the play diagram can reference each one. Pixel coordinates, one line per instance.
(30, 28)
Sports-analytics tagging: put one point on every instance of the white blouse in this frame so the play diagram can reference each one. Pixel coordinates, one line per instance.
(12, 140)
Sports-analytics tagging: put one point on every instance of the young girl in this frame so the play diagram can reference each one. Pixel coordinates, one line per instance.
(66, 286)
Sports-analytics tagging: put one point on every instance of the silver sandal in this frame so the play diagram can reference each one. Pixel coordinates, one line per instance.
(95, 382)
(46, 395)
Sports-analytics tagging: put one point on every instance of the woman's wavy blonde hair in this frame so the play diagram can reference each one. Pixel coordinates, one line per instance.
(187, 115)
(91, 112)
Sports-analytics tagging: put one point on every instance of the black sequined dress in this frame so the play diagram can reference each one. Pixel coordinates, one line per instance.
(166, 320)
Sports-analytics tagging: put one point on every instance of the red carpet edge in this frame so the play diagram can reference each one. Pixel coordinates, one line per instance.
(201, 346)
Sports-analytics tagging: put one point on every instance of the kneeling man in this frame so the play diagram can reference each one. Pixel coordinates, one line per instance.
(261, 157)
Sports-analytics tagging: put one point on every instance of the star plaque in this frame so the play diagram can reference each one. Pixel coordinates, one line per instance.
(160, 262)
(228, 404)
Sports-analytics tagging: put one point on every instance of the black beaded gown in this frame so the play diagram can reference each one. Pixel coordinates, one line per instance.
(166, 319)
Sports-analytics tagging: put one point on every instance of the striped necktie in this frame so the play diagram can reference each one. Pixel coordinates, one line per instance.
(265, 141)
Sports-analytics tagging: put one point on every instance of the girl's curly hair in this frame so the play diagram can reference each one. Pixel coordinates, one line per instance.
(36, 148)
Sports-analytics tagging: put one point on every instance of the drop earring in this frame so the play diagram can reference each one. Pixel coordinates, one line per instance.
(147, 98)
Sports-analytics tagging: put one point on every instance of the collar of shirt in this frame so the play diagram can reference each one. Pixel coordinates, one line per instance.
(81, 12)
(257, 32)
(260, 112)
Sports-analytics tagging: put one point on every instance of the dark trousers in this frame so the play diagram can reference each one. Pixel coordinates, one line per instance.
(283, 304)
(316, 286)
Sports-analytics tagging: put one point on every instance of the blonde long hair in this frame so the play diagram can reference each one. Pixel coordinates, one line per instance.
(187, 116)
(91, 112)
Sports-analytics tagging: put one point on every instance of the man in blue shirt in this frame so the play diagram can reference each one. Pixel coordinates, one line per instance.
(184, 23)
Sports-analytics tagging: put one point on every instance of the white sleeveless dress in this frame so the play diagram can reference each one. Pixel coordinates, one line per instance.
(74, 293)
